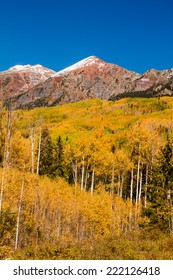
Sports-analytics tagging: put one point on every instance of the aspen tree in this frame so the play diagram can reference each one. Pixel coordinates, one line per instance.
(146, 187)
(39, 151)
(32, 136)
(83, 172)
(6, 160)
(19, 214)
(113, 170)
(122, 165)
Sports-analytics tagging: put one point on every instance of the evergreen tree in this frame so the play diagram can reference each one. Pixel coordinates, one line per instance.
(46, 154)
(166, 167)
(160, 209)
(59, 158)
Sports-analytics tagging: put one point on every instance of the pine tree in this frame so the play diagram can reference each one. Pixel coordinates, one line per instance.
(160, 208)
(46, 154)
(59, 158)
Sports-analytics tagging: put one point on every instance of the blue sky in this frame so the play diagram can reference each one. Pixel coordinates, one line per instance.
(135, 34)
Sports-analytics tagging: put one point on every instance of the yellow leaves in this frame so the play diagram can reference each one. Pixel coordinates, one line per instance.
(53, 209)
(142, 141)
(20, 152)
(122, 161)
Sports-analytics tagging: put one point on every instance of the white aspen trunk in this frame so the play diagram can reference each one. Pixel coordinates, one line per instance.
(146, 187)
(131, 199)
(113, 179)
(92, 181)
(39, 152)
(86, 177)
(131, 187)
(32, 148)
(121, 184)
(137, 183)
(6, 157)
(18, 215)
(140, 187)
(83, 172)
(8, 139)
(137, 188)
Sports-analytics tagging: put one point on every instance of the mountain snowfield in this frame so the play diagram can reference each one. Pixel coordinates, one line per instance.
(29, 86)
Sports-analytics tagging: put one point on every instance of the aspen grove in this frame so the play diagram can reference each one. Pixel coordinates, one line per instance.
(87, 180)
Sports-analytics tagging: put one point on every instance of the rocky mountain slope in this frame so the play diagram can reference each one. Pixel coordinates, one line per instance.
(35, 86)
(19, 79)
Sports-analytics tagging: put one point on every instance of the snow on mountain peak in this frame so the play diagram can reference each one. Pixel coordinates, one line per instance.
(82, 63)
(23, 67)
(31, 68)
(19, 67)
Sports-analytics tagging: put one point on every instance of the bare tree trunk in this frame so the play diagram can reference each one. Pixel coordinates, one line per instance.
(39, 152)
(6, 156)
(137, 183)
(86, 177)
(8, 139)
(32, 148)
(92, 181)
(146, 187)
(18, 215)
(137, 189)
(83, 172)
(121, 184)
(131, 199)
(140, 187)
(131, 187)
(113, 179)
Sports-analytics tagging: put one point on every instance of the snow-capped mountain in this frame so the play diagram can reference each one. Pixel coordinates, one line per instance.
(20, 78)
(34, 86)
(91, 60)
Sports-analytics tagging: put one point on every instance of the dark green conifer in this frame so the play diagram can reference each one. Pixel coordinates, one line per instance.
(46, 154)
(59, 158)
(160, 192)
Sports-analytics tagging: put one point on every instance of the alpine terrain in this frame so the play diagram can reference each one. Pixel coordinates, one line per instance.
(36, 86)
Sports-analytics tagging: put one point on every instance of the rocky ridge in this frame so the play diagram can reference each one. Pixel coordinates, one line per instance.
(35, 86)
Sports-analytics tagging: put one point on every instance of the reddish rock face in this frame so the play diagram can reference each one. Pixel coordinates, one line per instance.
(19, 79)
(35, 86)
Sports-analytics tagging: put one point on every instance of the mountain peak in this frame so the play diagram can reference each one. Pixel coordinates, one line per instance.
(91, 60)
(18, 67)
(34, 85)
(24, 67)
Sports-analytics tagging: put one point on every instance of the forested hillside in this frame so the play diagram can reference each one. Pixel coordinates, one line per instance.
(87, 180)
